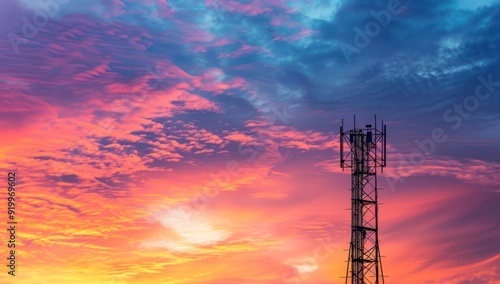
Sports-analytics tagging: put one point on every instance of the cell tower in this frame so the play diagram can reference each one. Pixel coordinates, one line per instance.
(366, 152)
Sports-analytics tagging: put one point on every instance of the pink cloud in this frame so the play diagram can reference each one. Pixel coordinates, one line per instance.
(246, 50)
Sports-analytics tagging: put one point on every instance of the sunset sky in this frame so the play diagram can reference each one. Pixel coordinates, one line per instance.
(192, 141)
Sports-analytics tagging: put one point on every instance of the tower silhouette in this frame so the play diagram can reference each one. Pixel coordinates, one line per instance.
(365, 152)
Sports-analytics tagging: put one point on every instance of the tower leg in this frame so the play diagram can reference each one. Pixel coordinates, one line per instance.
(365, 154)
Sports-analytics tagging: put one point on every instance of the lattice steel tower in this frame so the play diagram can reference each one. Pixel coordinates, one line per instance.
(366, 152)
